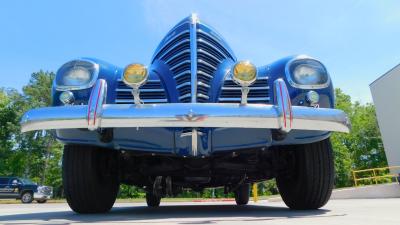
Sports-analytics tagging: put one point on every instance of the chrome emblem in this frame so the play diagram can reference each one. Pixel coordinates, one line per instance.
(191, 117)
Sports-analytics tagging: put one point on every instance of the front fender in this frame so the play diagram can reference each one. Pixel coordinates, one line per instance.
(276, 70)
(107, 71)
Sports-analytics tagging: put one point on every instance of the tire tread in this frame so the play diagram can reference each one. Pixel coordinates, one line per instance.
(312, 187)
(83, 190)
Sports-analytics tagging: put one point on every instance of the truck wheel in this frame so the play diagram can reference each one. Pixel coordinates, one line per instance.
(152, 200)
(242, 194)
(90, 186)
(27, 197)
(309, 182)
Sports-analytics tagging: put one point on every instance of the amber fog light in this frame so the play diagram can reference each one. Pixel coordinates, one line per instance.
(135, 75)
(244, 73)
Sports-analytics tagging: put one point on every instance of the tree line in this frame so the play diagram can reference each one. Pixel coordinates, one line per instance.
(37, 155)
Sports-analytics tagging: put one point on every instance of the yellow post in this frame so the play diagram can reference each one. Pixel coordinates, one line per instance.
(354, 178)
(255, 192)
(375, 178)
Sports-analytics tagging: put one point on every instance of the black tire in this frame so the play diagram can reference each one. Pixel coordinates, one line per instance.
(41, 201)
(152, 200)
(309, 184)
(89, 184)
(242, 194)
(27, 197)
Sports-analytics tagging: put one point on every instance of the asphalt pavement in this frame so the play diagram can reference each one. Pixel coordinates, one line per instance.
(360, 211)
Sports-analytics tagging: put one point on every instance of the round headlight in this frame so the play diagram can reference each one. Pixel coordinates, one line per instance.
(76, 74)
(135, 75)
(244, 73)
(308, 73)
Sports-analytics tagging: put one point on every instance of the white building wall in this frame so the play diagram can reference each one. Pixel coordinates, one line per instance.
(386, 96)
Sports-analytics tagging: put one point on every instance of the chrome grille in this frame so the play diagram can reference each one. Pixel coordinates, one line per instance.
(212, 45)
(193, 54)
(176, 54)
(209, 55)
(46, 190)
(151, 92)
(259, 92)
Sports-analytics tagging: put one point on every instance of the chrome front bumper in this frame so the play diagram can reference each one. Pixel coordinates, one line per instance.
(41, 196)
(95, 115)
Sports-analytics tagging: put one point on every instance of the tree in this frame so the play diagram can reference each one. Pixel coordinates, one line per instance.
(340, 143)
(38, 90)
(360, 149)
(11, 160)
(44, 150)
(36, 154)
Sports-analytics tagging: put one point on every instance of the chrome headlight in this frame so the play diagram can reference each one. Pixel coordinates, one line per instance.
(307, 73)
(46, 190)
(40, 189)
(76, 75)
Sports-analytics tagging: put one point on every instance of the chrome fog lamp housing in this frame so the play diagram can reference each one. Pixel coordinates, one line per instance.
(312, 97)
(76, 75)
(307, 73)
(135, 75)
(67, 97)
(244, 74)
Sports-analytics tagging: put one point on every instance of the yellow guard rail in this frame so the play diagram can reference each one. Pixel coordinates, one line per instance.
(375, 174)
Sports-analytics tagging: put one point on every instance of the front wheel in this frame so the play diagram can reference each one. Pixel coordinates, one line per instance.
(27, 197)
(90, 185)
(242, 194)
(41, 201)
(308, 183)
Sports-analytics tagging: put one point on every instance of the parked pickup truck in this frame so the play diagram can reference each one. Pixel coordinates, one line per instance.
(24, 189)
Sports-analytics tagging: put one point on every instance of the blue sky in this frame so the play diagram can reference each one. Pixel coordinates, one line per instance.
(357, 40)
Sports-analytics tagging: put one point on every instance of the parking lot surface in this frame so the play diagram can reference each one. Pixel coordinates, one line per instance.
(360, 211)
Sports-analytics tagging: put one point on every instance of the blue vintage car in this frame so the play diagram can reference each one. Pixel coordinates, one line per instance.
(195, 118)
